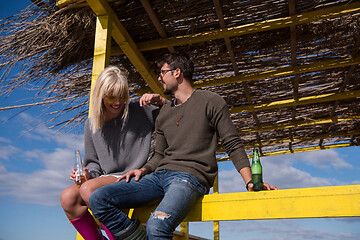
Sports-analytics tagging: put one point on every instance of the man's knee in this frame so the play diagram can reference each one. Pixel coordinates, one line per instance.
(94, 199)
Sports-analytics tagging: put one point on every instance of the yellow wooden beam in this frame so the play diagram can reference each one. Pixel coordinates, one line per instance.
(216, 223)
(336, 201)
(301, 101)
(77, 3)
(251, 28)
(126, 43)
(294, 124)
(184, 229)
(302, 139)
(78, 236)
(307, 149)
(63, 3)
(276, 73)
(295, 150)
(267, 25)
(280, 72)
(102, 50)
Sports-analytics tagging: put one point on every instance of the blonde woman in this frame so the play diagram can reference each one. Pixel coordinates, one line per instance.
(117, 139)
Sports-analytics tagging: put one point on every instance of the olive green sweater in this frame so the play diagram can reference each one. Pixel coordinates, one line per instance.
(188, 134)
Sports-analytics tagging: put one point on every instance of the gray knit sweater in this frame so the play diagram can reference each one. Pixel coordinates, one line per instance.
(187, 137)
(115, 151)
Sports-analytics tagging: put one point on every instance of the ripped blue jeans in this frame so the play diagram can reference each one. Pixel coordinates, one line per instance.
(178, 192)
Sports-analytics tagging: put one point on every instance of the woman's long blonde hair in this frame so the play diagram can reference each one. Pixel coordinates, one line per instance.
(111, 81)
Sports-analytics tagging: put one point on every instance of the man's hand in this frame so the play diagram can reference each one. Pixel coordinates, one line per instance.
(138, 173)
(149, 98)
(266, 186)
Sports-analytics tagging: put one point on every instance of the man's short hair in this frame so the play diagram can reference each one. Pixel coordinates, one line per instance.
(178, 60)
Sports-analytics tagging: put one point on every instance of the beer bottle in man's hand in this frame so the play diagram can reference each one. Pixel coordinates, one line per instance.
(256, 171)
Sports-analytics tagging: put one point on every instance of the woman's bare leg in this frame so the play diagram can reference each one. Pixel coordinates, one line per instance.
(72, 203)
(72, 198)
(88, 187)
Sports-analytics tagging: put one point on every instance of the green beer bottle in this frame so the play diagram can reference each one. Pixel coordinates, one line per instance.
(256, 171)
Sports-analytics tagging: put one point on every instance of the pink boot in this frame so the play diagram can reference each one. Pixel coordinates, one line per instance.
(87, 227)
(108, 233)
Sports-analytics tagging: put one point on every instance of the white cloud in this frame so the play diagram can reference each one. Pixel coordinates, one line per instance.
(44, 186)
(44, 134)
(278, 230)
(4, 140)
(45, 183)
(277, 171)
(281, 171)
(324, 159)
(8, 150)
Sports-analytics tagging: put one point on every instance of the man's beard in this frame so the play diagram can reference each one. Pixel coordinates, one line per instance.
(167, 92)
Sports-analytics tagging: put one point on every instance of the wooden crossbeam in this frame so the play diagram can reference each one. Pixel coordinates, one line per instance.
(63, 3)
(298, 124)
(279, 72)
(292, 102)
(308, 149)
(303, 139)
(251, 28)
(294, 150)
(75, 3)
(126, 43)
(256, 27)
(247, 91)
(335, 201)
(275, 73)
(155, 20)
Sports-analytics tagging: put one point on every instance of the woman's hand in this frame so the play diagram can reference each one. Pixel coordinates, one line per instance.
(73, 177)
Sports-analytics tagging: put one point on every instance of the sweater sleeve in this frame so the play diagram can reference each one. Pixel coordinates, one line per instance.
(160, 146)
(228, 135)
(91, 160)
(151, 112)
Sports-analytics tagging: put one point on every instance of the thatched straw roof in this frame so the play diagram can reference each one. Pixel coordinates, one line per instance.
(290, 82)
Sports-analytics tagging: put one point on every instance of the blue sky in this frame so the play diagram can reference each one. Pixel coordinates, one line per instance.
(34, 168)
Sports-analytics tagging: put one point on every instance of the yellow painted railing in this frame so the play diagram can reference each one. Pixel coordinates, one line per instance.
(319, 202)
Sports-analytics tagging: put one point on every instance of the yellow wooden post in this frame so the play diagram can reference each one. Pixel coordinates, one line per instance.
(127, 44)
(79, 237)
(216, 223)
(101, 57)
(184, 229)
(102, 49)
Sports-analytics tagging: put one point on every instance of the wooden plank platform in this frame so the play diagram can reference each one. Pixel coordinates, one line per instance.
(319, 202)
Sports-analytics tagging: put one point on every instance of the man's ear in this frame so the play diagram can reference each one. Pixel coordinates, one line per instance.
(177, 73)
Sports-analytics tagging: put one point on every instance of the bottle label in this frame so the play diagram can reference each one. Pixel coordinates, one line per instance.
(257, 181)
(77, 177)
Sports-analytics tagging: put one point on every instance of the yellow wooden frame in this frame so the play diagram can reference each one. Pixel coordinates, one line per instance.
(280, 72)
(318, 202)
(340, 201)
(293, 102)
(126, 43)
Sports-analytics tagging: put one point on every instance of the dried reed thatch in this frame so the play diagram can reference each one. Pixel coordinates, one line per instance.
(55, 47)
